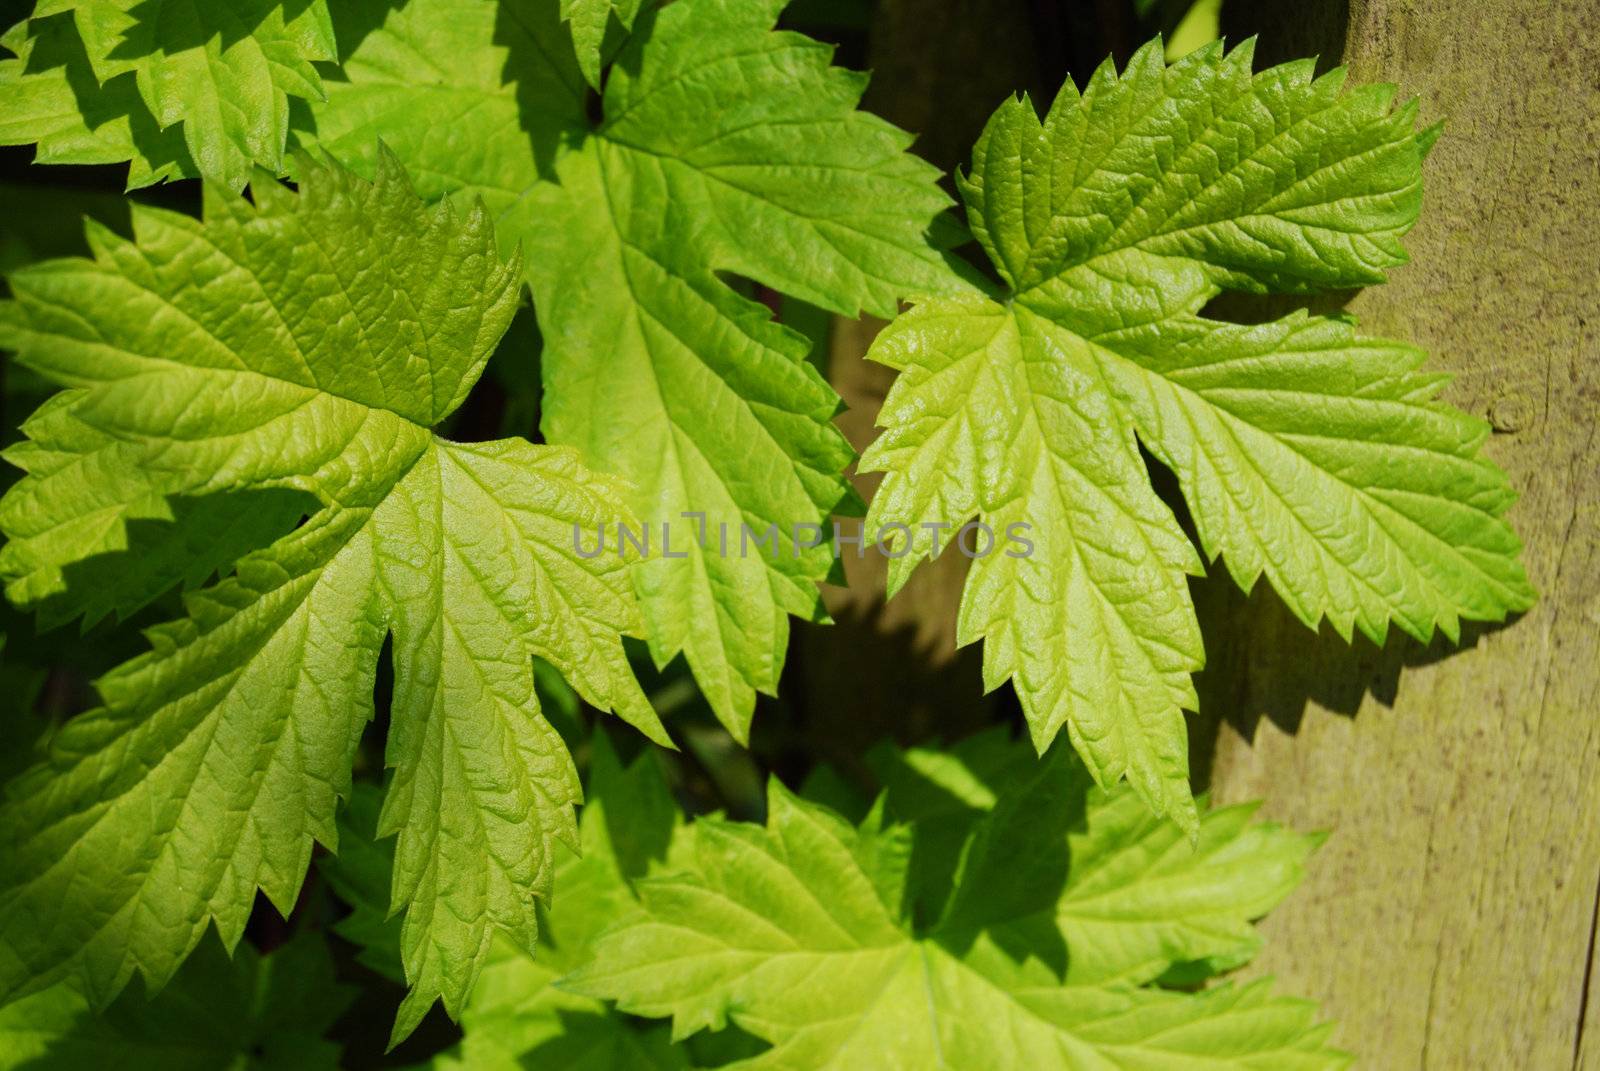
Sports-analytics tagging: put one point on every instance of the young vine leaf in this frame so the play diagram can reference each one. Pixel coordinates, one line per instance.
(219, 74)
(725, 148)
(308, 342)
(803, 934)
(1305, 452)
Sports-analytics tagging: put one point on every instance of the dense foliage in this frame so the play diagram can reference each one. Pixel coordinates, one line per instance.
(256, 448)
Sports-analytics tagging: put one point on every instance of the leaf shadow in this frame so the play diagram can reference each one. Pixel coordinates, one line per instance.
(550, 90)
(1264, 663)
(56, 44)
(352, 23)
(160, 26)
(875, 673)
(1008, 881)
(1237, 307)
(206, 536)
(595, 1039)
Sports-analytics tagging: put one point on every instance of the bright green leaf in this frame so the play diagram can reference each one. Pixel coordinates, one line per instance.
(1046, 861)
(91, 533)
(54, 101)
(223, 72)
(997, 416)
(1305, 452)
(726, 148)
(307, 342)
(792, 932)
(502, 92)
(1091, 882)
(516, 1018)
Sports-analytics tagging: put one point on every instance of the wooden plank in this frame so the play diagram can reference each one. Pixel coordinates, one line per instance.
(1448, 922)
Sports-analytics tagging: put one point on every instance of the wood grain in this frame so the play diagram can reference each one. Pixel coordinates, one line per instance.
(1449, 921)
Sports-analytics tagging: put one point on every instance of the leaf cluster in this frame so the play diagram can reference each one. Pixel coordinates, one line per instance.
(249, 437)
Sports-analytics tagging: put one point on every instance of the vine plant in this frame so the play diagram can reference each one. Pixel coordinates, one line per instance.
(253, 410)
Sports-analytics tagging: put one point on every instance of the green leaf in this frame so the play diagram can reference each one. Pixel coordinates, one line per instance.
(502, 92)
(249, 1011)
(679, 345)
(589, 21)
(1306, 453)
(1091, 882)
(91, 533)
(944, 793)
(992, 418)
(223, 71)
(725, 149)
(1045, 861)
(54, 101)
(306, 342)
(793, 933)
(928, 784)
(515, 1016)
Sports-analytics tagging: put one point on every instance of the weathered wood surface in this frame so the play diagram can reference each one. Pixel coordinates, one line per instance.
(1449, 921)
